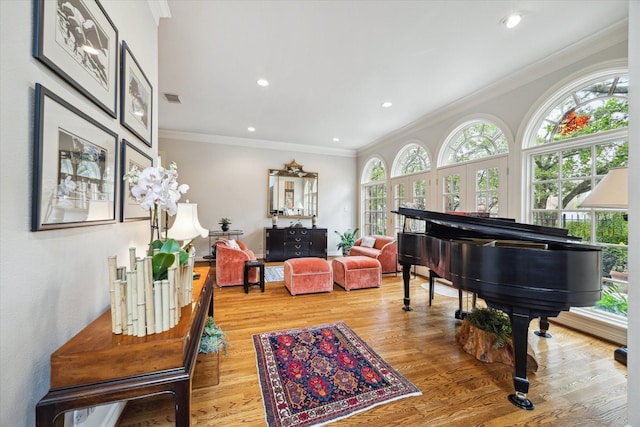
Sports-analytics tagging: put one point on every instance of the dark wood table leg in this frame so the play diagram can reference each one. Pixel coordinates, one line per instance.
(406, 278)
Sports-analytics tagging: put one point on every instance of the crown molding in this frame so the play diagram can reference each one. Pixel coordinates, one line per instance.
(261, 144)
(159, 9)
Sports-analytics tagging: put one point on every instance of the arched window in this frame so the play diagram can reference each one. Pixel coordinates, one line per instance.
(374, 198)
(600, 105)
(473, 141)
(409, 182)
(411, 159)
(473, 168)
(576, 137)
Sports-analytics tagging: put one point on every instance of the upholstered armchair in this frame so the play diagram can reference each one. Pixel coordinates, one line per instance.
(384, 249)
(230, 263)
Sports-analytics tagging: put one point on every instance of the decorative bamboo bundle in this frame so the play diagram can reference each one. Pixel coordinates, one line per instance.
(141, 306)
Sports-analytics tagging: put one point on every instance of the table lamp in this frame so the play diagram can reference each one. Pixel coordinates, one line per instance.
(611, 192)
(186, 226)
(299, 207)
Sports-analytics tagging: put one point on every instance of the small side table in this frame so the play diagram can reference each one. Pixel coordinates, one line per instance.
(248, 265)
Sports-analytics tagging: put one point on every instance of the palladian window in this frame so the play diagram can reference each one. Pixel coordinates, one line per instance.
(573, 144)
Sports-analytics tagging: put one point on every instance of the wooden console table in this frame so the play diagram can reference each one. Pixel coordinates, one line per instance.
(97, 366)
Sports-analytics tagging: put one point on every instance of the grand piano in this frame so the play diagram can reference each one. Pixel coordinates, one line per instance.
(525, 270)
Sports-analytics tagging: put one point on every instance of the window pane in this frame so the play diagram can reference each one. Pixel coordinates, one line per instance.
(571, 190)
(546, 218)
(545, 196)
(546, 166)
(576, 163)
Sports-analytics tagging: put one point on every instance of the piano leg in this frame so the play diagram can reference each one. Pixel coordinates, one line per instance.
(544, 327)
(406, 278)
(520, 326)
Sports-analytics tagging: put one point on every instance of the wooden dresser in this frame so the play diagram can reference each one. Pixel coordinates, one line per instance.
(96, 366)
(294, 242)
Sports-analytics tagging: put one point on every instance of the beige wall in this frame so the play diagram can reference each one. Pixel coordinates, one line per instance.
(228, 178)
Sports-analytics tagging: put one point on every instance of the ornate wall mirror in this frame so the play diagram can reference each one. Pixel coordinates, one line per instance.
(293, 192)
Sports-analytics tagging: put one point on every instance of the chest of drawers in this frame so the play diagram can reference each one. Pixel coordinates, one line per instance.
(295, 242)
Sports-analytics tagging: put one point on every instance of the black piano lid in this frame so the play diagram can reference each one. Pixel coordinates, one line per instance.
(498, 228)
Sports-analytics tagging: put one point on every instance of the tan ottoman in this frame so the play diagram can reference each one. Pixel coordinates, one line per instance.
(307, 275)
(357, 272)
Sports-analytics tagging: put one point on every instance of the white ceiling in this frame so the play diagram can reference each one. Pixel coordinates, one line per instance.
(331, 64)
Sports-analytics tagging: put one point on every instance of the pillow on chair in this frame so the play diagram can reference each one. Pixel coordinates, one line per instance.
(368, 242)
(232, 244)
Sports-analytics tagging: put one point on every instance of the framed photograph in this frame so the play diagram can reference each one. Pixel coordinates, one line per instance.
(74, 166)
(136, 97)
(77, 40)
(131, 156)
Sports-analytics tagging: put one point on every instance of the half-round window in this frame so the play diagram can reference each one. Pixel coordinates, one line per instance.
(473, 141)
(411, 159)
(597, 106)
(374, 171)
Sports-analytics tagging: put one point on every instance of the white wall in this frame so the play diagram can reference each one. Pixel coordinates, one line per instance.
(228, 178)
(52, 283)
(633, 337)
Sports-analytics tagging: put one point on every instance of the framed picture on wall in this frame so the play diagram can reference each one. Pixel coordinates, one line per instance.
(131, 157)
(136, 110)
(74, 166)
(77, 40)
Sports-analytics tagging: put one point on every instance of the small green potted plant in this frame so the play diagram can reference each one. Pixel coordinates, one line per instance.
(347, 239)
(207, 370)
(224, 222)
(493, 321)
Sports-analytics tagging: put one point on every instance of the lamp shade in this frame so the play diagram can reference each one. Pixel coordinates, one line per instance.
(611, 192)
(186, 225)
(298, 206)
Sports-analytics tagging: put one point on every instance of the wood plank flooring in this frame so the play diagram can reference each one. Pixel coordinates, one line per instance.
(578, 383)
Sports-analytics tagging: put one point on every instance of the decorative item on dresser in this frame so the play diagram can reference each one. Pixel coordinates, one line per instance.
(294, 242)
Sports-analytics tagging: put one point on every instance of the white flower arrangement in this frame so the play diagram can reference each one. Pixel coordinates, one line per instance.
(156, 188)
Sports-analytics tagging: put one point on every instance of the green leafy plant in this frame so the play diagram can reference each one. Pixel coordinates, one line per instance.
(163, 260)
(224, 221)
(493, 321)
(613, 301)
(347, 239)
(213, 338)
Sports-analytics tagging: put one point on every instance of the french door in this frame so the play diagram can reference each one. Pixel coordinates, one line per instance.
(475, 187)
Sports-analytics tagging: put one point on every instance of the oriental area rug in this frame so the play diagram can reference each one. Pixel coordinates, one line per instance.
(321, 374)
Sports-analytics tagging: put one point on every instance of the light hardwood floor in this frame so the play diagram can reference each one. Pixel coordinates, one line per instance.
(578, 383)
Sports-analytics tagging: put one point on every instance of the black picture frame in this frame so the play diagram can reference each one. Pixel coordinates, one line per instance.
(74, 166)
(136, 97)
(130, 209)
(78, 41)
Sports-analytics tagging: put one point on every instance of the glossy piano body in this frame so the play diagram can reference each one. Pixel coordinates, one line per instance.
(525, 270)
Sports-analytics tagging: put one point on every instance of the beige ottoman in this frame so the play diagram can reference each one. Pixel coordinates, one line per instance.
(307, 275)
(357, 272)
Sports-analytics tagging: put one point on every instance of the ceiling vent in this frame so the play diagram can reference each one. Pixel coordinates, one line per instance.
(173, 98)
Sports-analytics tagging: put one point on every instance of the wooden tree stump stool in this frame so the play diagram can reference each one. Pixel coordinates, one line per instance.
(479, 344)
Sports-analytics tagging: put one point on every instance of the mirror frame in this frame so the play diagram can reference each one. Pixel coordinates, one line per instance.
(292, 172)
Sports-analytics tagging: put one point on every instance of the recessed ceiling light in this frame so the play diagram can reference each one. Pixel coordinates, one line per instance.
(251, 129)
(387, 104)
(263, 82)
(512, 20)
(336, 139)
